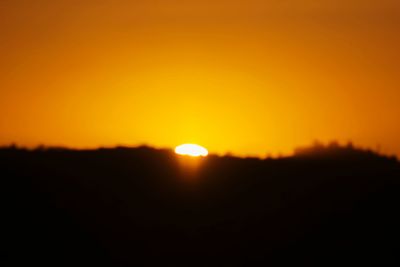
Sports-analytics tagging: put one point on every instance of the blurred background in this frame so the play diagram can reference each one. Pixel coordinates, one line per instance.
(248, 77)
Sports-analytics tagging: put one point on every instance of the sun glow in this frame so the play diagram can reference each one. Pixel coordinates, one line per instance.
(191, 150)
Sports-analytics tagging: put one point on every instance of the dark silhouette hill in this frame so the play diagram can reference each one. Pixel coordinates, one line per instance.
(145, 207)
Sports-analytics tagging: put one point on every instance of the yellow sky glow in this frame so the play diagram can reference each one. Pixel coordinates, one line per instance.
(247, 77)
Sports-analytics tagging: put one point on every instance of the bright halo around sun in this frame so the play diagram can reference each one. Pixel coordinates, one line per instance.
(191, 150)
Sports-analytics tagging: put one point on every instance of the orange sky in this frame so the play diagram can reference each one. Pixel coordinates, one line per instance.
(251, 77)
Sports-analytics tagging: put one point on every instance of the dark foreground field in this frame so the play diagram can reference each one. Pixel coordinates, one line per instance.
(146, 207)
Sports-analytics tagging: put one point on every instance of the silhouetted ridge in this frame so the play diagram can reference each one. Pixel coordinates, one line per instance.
(335, 151)
(150, 207)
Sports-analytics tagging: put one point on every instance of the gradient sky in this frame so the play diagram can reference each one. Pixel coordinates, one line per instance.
(249, 77)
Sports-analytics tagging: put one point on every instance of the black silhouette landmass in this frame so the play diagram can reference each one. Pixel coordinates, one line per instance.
(324, 206)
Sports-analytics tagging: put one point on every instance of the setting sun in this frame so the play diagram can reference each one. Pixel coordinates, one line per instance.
(191, 150)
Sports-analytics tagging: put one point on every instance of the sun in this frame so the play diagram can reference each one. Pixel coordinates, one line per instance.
(191, 150)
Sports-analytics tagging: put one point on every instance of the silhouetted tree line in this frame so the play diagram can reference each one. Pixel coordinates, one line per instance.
(325, 206)
(335, 150)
